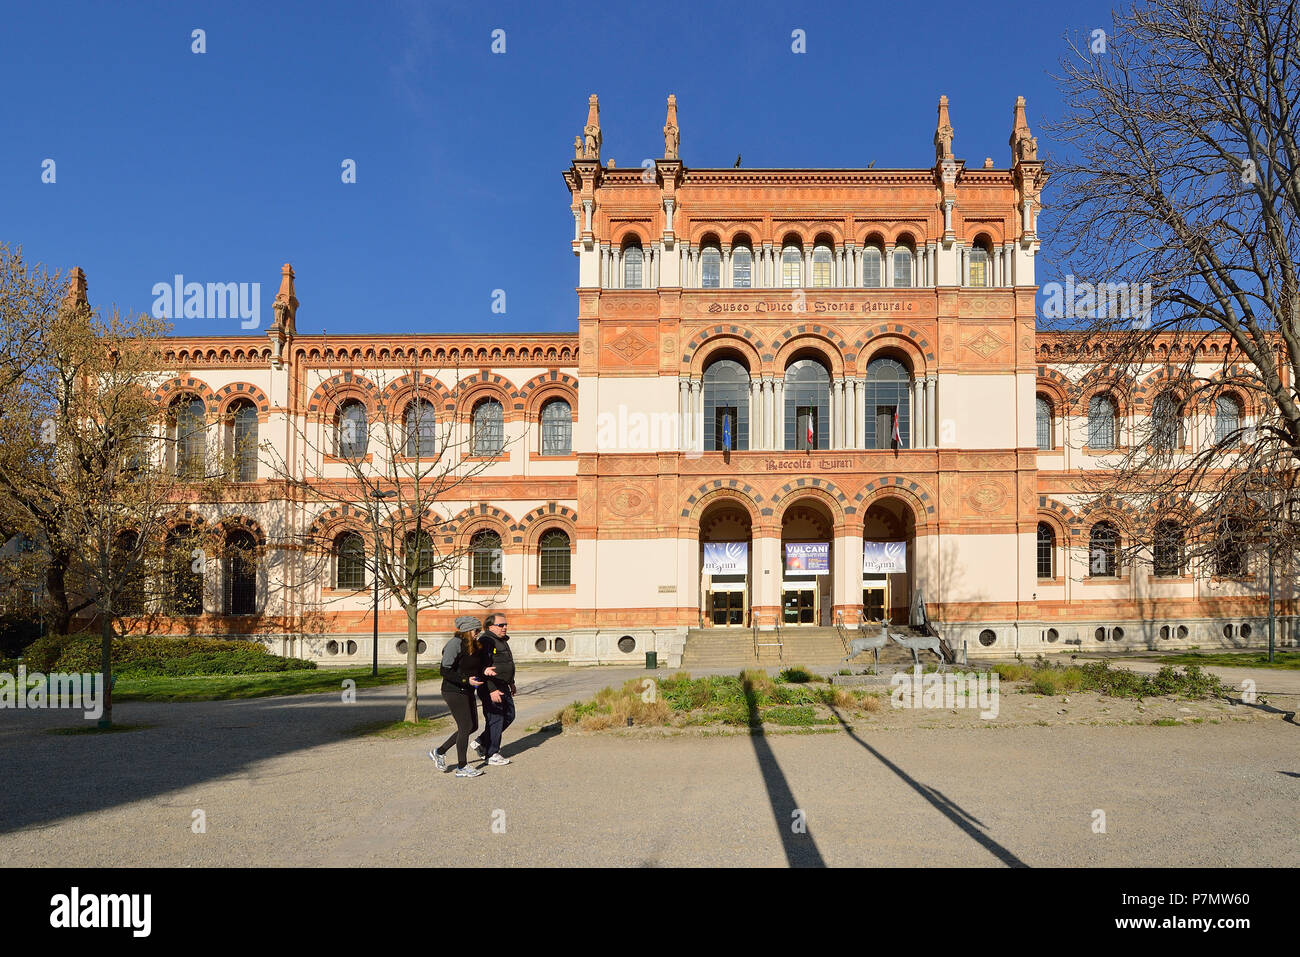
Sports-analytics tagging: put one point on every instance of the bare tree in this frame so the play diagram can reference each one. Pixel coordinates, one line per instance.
(1179, 190)
(403, 474)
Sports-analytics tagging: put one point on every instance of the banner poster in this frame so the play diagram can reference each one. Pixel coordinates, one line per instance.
(726, 558)
(883, 557)
(808, 557)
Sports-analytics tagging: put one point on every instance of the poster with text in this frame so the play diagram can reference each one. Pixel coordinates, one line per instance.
(808, 558)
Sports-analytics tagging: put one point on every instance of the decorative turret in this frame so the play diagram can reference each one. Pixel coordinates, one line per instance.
(943, 133)
(285, 310)
(591, 132)
(947, 168)
(1027, 169)
(672, 135)
(76, 297)
(1024, 146)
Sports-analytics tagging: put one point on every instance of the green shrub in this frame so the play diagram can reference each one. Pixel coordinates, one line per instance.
(158, 656)
(43, 653)
(796, 674)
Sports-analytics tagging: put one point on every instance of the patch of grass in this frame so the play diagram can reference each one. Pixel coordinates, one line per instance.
(798, 674)
(1286, 660)
(259, 685)
(1051, 678)
(397, 729)
(1166, 722)
(797, 716)
(95, 729)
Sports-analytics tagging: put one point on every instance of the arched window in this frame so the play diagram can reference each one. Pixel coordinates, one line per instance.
(1167, 550)
(553, 559)
(485, 560)
(1103, 551)
(711, 268)
(184, 591)
(742, 267)
(979, 266)
(239, 574)
(902, 267)
(1046, 551)
(1043, 421)
(1166, 423)
(241, 441)
(1229, 551)
(190, 436)
(421, 429)
(420, 558)
(1227, 419)
(807, 405)
(633, 265)
(351, 431)
(1101, 422)
(889, 391)
(791, 267)
(726, 406)
(125, 570)
(350, 561)
(821, 266)
(557, 428)
(489, 427)
(871, 266)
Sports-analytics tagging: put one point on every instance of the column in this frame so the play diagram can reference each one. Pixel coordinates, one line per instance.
(965, 265)
(837, 401)
(1008, 251)
(919, 413)
(913, 433)
(659, 254)
(934, 409)
(604, 265)
(616, 279)
(850, 266)
(769, 413)
(699, 415)
(724, 280)
(837, 265)
(780, 412)
(755, 427)
(682, 399)
(806, 280)
(888, 282)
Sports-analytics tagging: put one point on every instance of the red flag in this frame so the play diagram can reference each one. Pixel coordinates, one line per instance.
(810, 431)
(896, 437)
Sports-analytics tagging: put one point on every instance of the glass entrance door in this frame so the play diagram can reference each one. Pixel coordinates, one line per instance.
(727, 607)
(799, 604)
(873, 603)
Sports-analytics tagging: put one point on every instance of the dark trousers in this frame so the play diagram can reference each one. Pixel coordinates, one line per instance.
(462, 708)
(497, 717)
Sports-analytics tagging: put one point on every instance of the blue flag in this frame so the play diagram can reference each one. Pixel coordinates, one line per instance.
(726, 431)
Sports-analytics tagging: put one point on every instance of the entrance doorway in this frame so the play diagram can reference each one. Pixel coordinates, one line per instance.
(799, 604)
(807, 564)
(726, 602)
(875, 598)
(725, 565)
(889, 534)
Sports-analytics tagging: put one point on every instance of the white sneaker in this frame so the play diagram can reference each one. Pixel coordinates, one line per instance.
(497, 760)
(467, 772)
(439, 760)
(474, 743)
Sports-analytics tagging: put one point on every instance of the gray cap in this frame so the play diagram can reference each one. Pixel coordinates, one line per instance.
(468, 623)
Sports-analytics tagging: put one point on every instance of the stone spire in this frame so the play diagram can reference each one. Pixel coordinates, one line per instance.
(1024, 146)
(285, 310)
(943, 133)
(672, 135)
(76, 297)
(591, 132)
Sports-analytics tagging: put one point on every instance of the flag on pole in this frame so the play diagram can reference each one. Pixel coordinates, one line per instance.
(810, 430)
(895, 436)
(726, 431)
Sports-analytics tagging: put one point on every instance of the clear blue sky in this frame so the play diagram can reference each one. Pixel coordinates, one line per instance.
(224, 165)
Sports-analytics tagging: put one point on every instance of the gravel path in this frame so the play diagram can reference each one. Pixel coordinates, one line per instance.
(281, 783)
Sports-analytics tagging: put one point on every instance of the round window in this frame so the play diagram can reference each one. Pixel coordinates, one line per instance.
(627, 644)
(987, 637)
(1053, 634)
(559, 644)
(540, 644)
(332, 648)
(352, 647)
(1100, 634)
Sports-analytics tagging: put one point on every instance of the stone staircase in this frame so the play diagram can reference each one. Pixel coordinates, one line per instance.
(815, 647)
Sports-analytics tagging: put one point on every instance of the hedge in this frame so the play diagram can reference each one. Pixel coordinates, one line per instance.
(151, 656)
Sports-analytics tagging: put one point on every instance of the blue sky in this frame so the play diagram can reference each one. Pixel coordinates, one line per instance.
(221, 166)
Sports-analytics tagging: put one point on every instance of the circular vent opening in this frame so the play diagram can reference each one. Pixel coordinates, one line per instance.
(1053, 634)
(1245, 631)
(332, 648)
(540, 644)
(1117, 634)
(1164, 632)
(627, 644)
(559, 644)
(352, 647)
(1227, 631)
(987, 637)
(1182, 631)
(1100, 634)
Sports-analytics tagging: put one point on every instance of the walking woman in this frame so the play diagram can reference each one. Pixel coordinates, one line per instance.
(462, 673)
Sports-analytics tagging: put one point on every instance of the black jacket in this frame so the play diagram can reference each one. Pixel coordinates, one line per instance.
(499, 656)
(458, 665)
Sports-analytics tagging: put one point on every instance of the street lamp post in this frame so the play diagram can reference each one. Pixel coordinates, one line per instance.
(374, 646)
(1272, 618)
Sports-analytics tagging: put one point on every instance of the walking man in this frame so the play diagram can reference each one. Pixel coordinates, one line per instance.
(497, 692)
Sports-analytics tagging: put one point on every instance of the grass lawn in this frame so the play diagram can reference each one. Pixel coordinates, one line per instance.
(258, 685)
(1289, 660)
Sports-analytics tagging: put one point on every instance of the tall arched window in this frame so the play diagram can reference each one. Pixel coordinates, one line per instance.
(633, 265)
(351, 431)
(1043, 422)
(1101, 422)
(1166, 423)
(888, 401)
(190, 436)
(485, 560)
(979, 266)
(350, 561)
(184, 592)
(821, 266)
(1167, 550)
(554, 556)
(1046, 551)
(807, 405)
(421, 429)
(242, 441)
(126, 570)
(742, 267)
(557, 428)
(1227, 418)
(1103, 551)
(726, 406)
(872, 258)
(902, 267)
(239, 574)
(489, 427)
(711, 268)
(792, 267)
(420, 558)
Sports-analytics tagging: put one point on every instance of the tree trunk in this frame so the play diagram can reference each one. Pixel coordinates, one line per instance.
(106, 669)
(56, 589)
(412, 650)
